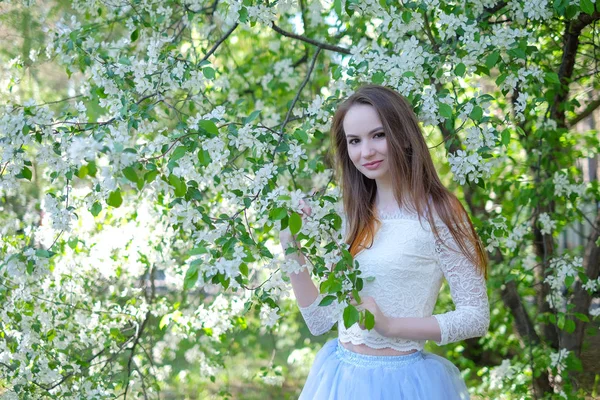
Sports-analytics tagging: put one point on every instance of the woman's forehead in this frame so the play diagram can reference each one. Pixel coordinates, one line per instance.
(361, 120)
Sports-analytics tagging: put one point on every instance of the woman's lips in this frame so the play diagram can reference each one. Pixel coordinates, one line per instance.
(373, 166)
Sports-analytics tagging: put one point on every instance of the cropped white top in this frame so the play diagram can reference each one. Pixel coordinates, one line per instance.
(408, 265)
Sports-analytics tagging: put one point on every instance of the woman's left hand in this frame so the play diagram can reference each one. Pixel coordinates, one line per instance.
(381, 321)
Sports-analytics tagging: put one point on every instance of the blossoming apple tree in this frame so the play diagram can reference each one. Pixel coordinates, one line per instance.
(151, 150)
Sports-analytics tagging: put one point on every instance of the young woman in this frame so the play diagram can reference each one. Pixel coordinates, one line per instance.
(408, 233)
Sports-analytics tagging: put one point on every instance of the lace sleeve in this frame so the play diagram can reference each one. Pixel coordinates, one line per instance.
(320, 319)
(468, 289)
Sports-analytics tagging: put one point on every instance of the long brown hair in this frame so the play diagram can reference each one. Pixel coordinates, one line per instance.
(413, 175)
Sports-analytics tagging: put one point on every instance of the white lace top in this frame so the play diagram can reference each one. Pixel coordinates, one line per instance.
(408, 266)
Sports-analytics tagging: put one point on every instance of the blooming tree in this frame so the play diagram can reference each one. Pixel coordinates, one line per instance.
(152, 149)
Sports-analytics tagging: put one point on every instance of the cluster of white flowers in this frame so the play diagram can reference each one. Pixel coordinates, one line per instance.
(217, 317)
(219, 154)
(531, 9)
(480, 136)
(547, 224)
(563, 186)
(295, 154)
(591, 285)
(198, 358)
(520, 106)
(559, 270)
(285, 71)
(494, 239)
(449, 23)
(60, 216)
(247, 137)
(269, 316)
(262, 13)
(516, 236)
(276, 379)
(291, 266)
(500, 373)
(468, 166)
(82, 148)
(558, 360)
(317, 110)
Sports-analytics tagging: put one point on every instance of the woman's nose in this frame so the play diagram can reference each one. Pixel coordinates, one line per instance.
(368, 150)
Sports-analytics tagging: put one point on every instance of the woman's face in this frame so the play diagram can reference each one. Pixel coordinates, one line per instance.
(366, 141)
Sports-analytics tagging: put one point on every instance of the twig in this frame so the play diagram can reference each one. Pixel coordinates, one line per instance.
(289, 113)
(221, 40)
(320, 45)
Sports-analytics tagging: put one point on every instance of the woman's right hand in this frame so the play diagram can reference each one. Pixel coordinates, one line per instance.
(285, 236)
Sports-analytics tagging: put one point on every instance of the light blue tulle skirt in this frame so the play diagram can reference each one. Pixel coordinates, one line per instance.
(340, 374)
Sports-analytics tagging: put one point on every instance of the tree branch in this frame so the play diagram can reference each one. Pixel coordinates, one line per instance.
(216, 45)
(565, 72)
(289, 113)
(582, 299)
(320, 45)
(588, 110)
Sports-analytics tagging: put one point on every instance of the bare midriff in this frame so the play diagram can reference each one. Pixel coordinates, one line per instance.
(364, 349)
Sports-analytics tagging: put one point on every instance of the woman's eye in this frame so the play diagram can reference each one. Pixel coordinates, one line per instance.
(378, 134)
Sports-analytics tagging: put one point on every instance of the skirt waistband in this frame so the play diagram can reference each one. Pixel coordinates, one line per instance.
(364, 360)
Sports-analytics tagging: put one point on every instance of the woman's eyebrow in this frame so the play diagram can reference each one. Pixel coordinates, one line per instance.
(372, 131)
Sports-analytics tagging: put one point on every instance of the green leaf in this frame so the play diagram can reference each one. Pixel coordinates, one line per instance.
(164, 321)
(552, 77)
(178, 153)
(96, 208)
(301, 136)
(191, 277)
(92, 169)
(582, 317)
(477, 113)
(460, 69)
(327, 300)
(130, 174)
(209, 127)
(569, 281)
(295, 223)
(26, 173)
(150, 175)
(43, 253)
(369, 320)
(570, 326)
(179, 185)
(135, 35)
(337, 6)
(278, 213)
(244, 269)
(82, 172)
(445, 110)
(209, 73)
(492, 59)
(505, 137)
(351, 316)
(115, 199)
(378, 78)
(204, 157)
(587, 6)
(252, 116)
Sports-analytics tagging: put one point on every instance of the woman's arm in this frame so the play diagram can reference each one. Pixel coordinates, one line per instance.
(319, 319)
(471, 317)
